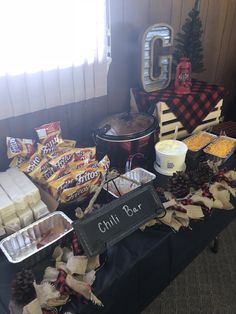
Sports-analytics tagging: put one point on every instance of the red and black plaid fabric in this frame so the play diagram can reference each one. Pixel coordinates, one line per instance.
(48, 312)
(53, 311)
(189, 109)
(61, 285)
(76, 246)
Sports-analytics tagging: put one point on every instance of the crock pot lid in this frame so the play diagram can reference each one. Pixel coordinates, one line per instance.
(128, 125)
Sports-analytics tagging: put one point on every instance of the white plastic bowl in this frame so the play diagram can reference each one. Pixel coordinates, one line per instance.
(170, 156)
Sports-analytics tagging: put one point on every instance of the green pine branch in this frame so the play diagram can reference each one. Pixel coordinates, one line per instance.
(189, 40)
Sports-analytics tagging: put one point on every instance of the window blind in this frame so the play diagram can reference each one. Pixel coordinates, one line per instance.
(53, 52)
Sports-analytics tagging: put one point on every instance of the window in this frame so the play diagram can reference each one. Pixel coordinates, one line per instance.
(53, 52)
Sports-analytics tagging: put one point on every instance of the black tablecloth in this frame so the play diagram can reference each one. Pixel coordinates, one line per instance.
(139, 267)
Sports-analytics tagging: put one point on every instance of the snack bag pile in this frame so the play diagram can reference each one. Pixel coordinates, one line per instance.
(66, 172)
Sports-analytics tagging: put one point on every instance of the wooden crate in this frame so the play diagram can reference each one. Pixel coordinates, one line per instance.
(168, 121)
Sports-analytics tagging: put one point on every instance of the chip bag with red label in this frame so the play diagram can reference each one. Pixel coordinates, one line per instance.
(18, 146)
(48, 131)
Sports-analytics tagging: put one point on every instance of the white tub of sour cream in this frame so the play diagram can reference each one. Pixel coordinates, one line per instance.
(170, 156)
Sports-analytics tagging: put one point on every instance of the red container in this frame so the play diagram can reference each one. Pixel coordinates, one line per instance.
(183, 77)
(127, 138)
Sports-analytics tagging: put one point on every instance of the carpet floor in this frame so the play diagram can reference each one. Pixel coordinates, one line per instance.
(206, 286)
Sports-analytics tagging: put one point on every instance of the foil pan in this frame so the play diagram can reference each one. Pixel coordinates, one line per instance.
(36, 241)
(212, 138)
(217, 159)
(129, 181)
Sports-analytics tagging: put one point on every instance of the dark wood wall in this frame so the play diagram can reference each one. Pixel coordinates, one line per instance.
(128, 19)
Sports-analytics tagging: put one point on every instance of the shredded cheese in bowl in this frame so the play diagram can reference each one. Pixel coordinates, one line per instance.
(198, 141)
(222, 147)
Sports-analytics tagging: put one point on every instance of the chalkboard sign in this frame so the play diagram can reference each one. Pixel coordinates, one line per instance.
(116, 220)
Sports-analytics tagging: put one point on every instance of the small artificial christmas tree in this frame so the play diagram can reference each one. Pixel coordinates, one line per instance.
(189, 40)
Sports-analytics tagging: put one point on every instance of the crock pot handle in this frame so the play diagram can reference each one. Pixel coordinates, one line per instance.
(100, 132)
(128, 164)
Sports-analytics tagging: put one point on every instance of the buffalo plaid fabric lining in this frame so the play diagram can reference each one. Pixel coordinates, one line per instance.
(189, 109)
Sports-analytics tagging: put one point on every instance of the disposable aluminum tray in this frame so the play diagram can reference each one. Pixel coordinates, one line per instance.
(213, 138)
(217, 159)
(23, 245)
(136, 178)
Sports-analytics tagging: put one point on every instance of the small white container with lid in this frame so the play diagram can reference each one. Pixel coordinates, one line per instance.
(170, 157)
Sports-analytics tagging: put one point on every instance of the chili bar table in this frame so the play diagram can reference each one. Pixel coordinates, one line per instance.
(139, 267)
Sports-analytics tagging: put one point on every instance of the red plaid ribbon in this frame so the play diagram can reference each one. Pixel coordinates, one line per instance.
(76, 246)
(189, 109)
(61, 285)
(54, 311)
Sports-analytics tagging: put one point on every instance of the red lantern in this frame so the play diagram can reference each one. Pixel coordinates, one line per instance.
(183, 77)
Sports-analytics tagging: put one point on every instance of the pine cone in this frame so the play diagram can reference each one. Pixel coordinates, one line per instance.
(179, 184)
(203, 174)
(23, 290)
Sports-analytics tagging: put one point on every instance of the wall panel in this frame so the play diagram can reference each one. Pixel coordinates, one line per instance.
(186, 7)
(176, 13)
(214, 31)
(159, 12)
(226, 53)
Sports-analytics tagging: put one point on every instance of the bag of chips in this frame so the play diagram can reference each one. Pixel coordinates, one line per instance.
(18, 146)
(85, 153)
(29, 165)
(56, 187)
(17, 161)
(48, 131)
(68, 143)
(62, 160)
(37, 173)
(77, 193)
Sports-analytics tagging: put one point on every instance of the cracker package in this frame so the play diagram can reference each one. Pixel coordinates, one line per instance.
(18, 146)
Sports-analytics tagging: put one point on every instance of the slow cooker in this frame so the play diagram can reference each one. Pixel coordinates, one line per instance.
(127, 137)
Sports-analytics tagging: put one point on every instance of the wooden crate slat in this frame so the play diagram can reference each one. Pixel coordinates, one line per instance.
(167, 117)
(204, 126)
(171, 127)
(168, 123)
(181, 134)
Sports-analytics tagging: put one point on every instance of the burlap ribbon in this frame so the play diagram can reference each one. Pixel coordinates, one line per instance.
(72, 275)
(179, 212)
